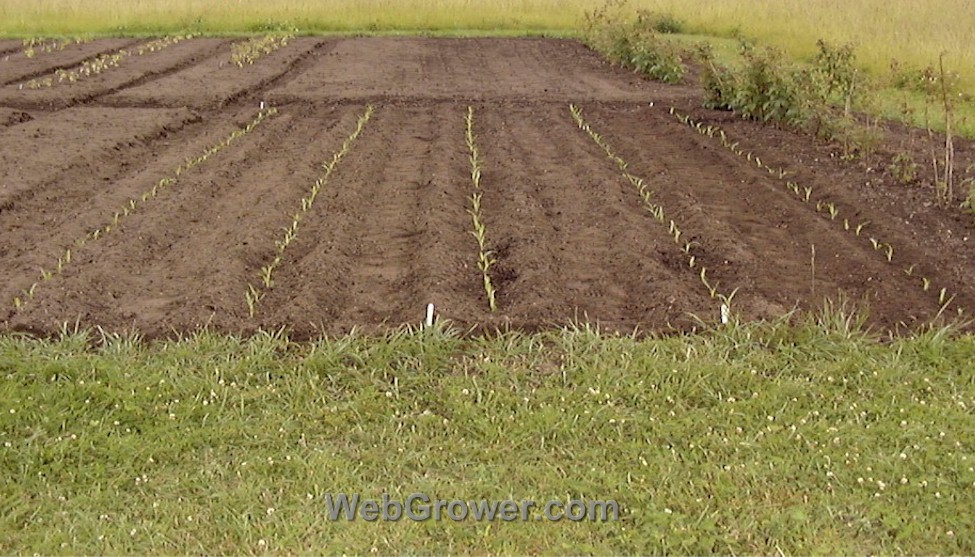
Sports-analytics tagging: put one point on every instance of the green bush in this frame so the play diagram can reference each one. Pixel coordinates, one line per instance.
(634, 44)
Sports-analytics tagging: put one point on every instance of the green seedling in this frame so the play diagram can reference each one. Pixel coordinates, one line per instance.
(254, 295)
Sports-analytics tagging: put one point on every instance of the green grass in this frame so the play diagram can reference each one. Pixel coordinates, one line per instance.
(326, 16)
(887, 101)
(914, 32)
(766, 438)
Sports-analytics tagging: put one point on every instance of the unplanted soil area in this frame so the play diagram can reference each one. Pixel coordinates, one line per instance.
(146, 199)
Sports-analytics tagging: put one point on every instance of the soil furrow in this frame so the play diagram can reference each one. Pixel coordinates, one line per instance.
(572, 232)
(212, 228)
(44, 222)
(762, 237)
(360, 261)
(18, 68)
(216, 81)
(130, 70)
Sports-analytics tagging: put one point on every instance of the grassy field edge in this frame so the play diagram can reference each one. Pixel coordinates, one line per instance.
(769, 437)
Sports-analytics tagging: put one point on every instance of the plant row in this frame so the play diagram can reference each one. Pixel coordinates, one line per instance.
(97, 65)
(485, 256)
(35, 45)
(247, 52)
(823, 206)
(255, 294)
(134, 204)
(656, 210)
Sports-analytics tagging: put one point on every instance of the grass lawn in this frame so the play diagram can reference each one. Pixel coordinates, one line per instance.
(765, 438)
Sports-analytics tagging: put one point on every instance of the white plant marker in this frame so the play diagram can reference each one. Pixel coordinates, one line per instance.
(429, 315)
(262, 105)
(725, 314)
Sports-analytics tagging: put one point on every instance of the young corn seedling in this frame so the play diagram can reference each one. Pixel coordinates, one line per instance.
(255, 294)
(485, 256)
(833, 211)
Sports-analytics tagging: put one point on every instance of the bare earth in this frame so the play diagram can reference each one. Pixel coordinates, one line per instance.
(390, 231)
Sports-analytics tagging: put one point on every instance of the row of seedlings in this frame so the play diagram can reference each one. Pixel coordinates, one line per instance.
(485, 257)
(39, 45)
(247, 52)
(255, 294)
(99, 64)
(823, 206)
(657, 211)
(135, 203)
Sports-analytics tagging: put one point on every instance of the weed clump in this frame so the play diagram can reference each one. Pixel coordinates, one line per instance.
(822, 99)
(635, 43)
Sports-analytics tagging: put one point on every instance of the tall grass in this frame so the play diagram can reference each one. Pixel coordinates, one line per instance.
(913, 31)
(234, 16)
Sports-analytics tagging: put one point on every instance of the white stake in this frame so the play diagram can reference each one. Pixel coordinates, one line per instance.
(725, 314)
(429, 315)
(262, 105)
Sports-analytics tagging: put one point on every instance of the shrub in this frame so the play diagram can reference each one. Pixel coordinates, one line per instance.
(635, 44)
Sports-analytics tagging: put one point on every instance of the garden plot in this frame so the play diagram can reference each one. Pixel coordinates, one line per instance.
(325, 185)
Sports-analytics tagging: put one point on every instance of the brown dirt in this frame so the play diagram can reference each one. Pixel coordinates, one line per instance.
(390, 231)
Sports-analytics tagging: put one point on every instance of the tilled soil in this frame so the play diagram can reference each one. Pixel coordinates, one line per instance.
(390, 231)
